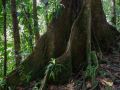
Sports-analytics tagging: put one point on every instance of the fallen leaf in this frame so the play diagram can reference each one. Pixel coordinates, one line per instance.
(107, 82)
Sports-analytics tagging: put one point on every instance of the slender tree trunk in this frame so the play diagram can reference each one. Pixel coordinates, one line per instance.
(5, 37)
(16, 34)
(35, 18)
(113, 12)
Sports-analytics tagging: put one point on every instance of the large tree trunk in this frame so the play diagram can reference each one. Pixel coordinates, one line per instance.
(68, 39)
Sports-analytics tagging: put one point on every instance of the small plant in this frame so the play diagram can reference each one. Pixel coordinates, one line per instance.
(52, 71)
(35, 87)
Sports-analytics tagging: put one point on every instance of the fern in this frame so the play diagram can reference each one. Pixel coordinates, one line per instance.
(51, 72)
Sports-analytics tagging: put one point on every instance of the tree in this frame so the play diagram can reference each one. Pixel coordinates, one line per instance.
(16, 34)
(79, 29)
(5, 37)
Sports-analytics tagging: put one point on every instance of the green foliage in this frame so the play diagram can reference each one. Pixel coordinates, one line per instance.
(53, 69)
(2, 82)
(0, 6)
(118, 14)
(107, 9)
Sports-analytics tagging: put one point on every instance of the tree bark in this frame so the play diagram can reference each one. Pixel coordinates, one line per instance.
(104, 32)
(16, 34)
(5, 36)
(68, 39)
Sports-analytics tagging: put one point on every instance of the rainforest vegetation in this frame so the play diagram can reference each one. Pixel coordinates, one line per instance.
(59, 44)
